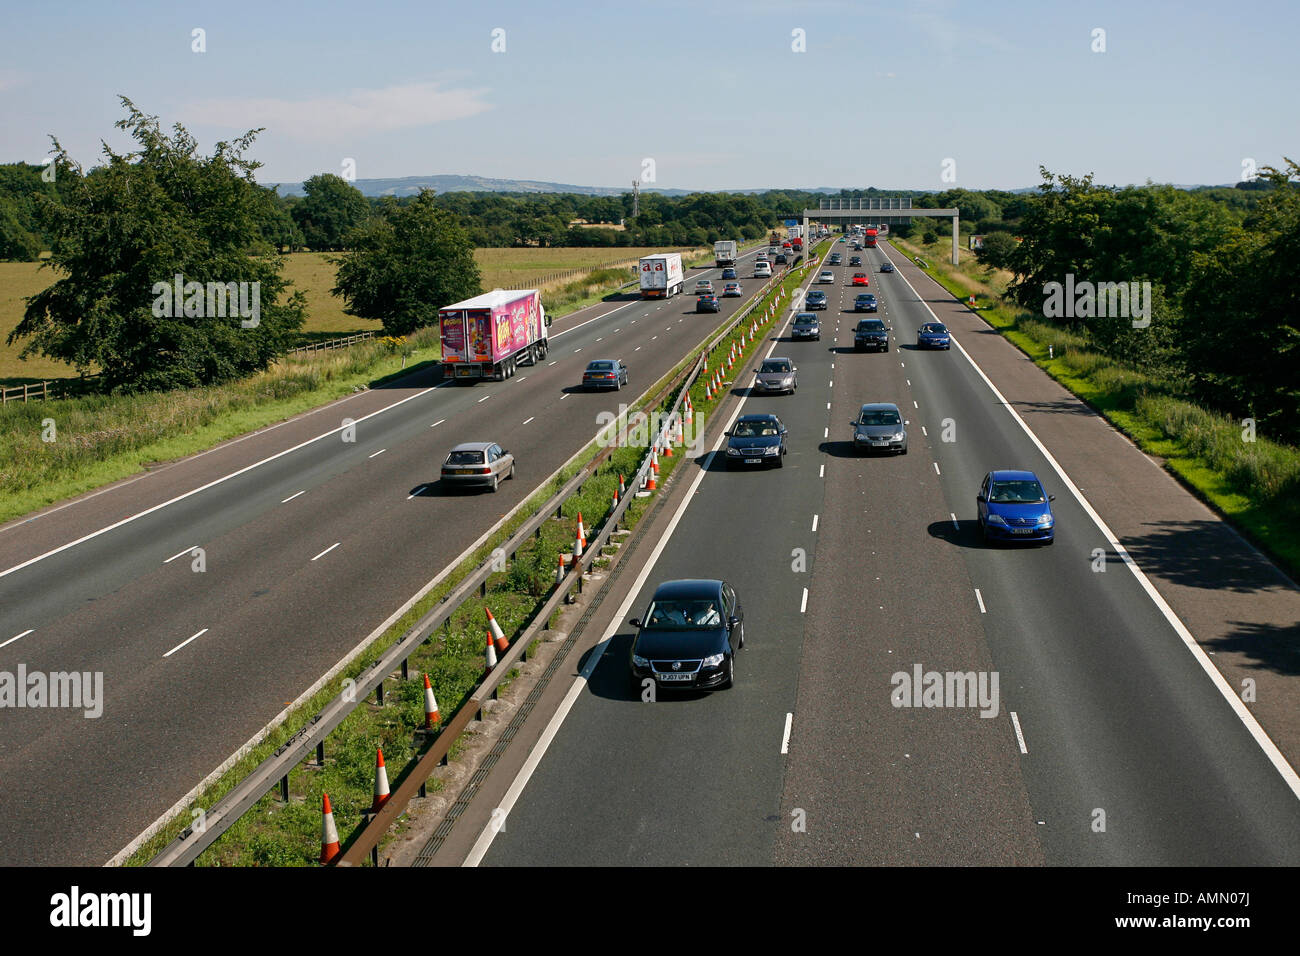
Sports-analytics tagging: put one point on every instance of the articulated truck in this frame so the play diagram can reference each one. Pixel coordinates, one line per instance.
(492, 334)
(724, 252)
(662, 276)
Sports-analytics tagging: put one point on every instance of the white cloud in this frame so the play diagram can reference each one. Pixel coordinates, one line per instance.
(333, 118)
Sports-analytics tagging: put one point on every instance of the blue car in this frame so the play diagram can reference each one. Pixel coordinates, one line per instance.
(1013, 506)
(933, 335)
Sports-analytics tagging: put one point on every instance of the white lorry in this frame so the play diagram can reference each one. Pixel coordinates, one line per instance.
(724, 252)
(662, 276)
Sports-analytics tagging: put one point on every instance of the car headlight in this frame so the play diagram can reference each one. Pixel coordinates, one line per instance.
(1045, 519)
(788, 381)
(733, 451)
(998, 520)
(713, 660)
(898, 437)
(639, 661)
(771, 450)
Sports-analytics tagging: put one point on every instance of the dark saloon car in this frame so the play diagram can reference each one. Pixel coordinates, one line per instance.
(807, 326)
(880, 427)
(1012, 506)
(871, 334)
(605, 373)
(757, 439)
(865, 302)
(887, 267)
(816, 299)
(933, 335)
(707, 303)
(688, 637)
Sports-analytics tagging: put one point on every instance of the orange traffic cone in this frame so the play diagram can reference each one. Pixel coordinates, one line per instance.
(651, 485)
(690, 411)
(495, 635)
(622, 488)
(668, 442)
(559, 572)
(329, 834)
(491, 654)
(381, 782)
(654, 460)
(431, 715)
(582, 535)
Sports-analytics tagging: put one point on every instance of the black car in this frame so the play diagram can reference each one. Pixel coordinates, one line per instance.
(887, 267)
(865, 302)
(816, 299)
(871, 334)
(707, 303)
(688, 637)
(781, 259)
(806, 326)
(757, 439)
(855, 260)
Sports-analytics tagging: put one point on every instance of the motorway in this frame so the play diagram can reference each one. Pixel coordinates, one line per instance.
(309, 542)
(1109, 743)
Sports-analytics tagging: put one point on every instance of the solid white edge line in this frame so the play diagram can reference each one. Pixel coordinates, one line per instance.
(1019, 736)
(292, 496)
(980, 598)
(516, 789)
(328, 550)
(1271, 751)
(17, 637)
(210, 484)
(179, 553)
(184, 642)
(785, 737)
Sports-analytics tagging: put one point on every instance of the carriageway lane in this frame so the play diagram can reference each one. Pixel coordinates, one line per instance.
(275, 619)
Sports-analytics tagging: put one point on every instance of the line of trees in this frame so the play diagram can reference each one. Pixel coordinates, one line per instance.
(1223, 278)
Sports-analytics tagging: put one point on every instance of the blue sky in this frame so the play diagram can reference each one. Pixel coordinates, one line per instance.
(712, 92)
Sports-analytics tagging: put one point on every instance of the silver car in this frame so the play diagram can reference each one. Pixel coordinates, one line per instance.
(826, 276)
(880, 427)
(776, 375)
(478, 463)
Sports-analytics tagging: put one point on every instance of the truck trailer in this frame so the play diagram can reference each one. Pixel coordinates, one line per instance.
(724, 252)
(662, 276)
(492, 334)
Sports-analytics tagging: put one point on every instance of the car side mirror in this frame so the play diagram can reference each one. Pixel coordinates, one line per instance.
(784, 429)
(732, 621)
(1051, 497)
(980, 498)
(729, 434)
(635, 622)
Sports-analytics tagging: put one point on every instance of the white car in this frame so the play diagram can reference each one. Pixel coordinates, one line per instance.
(827, 276)
(762, 270)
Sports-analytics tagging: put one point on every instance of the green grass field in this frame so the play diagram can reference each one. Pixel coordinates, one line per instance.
(314, 275)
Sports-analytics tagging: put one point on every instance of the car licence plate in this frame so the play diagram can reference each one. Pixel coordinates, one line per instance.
(880, 443)
(753, 461)
(1022, 530)
(674, 676)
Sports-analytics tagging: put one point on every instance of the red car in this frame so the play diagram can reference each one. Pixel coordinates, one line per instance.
(860, 278)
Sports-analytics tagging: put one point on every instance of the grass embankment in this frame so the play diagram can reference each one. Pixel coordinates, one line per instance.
(278, 834)
(1254, 484)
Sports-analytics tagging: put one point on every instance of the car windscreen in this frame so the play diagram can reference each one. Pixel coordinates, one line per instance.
(675, 615)
(933, 329)
(465, 458)
(755, 429)
(879, 417)
(871, 327)
(775, 367)
(1016, 492)
(805, 320)
(600, 367)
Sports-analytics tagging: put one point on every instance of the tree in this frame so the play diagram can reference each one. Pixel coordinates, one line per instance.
(406, 265)
(332, 208)
(125, 231)
(16, 242)
(999, 247)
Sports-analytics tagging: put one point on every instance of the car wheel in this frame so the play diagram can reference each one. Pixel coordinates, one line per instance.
(740, 641)
(496, 483)
(511, 475)
(731, 674)
(780, 460)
